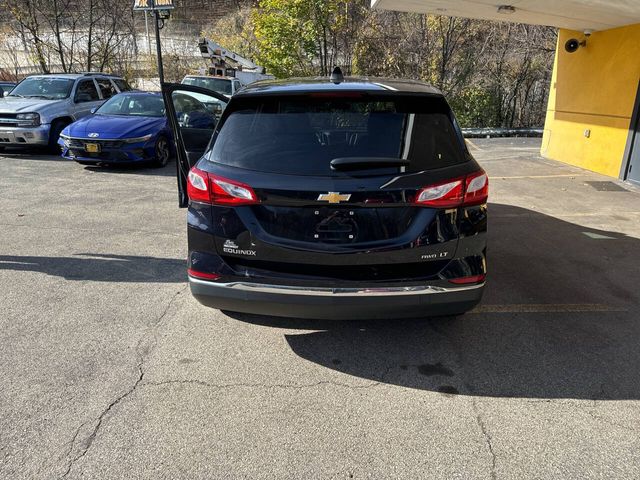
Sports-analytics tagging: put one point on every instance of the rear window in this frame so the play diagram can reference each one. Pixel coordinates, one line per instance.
(301, 135)
(106, 87)
(122, 85)
(220, 85)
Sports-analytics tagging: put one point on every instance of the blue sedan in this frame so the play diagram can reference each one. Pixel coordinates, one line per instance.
(130, 127)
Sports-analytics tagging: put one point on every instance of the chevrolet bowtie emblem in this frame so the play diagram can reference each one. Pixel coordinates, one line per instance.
(334, 197)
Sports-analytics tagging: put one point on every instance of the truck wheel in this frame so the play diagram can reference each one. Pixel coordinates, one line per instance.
(54, 134)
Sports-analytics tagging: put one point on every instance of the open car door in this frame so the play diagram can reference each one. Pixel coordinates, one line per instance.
(193, 113)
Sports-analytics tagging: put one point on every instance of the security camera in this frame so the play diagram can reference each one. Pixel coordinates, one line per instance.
(574, 44)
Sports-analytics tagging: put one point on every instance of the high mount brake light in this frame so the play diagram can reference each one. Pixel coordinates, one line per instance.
(208, 188)
(330, 95)
(457, 192)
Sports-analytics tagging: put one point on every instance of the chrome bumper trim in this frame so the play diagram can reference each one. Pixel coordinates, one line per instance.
(336, 292)
(101, 139)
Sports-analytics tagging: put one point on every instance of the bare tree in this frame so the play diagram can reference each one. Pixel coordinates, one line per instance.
(27, 23)
(52, 13)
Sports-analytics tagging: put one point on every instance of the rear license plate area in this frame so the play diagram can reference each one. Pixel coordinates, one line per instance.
(335, 226)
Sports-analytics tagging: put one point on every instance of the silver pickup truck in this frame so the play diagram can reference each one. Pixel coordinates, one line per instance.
(41, 106)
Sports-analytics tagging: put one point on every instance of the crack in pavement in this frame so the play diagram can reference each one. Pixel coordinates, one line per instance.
(294, 386)
(476, 411)
(486, 436)
(202, 383)
(593, 411)
(72, 442)
(139, 383)
(594, 415)
(261, 385)
(142, 354)
(89, 441)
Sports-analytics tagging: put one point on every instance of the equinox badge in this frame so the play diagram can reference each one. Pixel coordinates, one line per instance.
(334, 197)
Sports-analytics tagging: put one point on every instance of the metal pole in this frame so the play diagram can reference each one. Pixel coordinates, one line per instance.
(146, 26)
(159, 48)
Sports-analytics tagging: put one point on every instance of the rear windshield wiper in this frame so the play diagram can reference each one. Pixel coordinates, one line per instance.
(367, 163)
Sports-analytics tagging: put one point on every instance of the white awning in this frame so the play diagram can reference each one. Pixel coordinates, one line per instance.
(572, 14)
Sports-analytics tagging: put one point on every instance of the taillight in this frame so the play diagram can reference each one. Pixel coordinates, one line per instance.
(208, 188)
(442, 195)
(198, 186)
(202, 275)
(468, 280)
(470, 190)
(476, 189)
(229, 192)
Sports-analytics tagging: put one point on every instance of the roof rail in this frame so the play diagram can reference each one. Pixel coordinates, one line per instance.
(86, 74)
(105, 74)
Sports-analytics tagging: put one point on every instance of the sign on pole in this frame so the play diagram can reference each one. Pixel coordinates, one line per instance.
(161, 10)
(153, 5)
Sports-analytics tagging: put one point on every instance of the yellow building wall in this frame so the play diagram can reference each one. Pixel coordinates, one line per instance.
(593, 89)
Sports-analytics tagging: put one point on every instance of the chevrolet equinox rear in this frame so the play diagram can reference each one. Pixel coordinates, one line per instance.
(354, 199)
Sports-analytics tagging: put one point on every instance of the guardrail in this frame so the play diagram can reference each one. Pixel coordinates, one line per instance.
(501, 132)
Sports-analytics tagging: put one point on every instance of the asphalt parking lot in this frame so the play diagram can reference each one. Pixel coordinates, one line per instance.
(109, 369)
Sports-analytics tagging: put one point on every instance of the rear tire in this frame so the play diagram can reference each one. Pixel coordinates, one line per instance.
(162, 152)
(54, 134)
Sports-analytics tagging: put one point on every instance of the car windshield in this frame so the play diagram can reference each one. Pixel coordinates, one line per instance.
(220, 85)
(302, 135)
(133, 105)
(40, 87)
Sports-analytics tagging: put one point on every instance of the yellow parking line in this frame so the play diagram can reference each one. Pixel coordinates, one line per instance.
(540, 176)
(566, 215)
(547, 308)
(473, 145)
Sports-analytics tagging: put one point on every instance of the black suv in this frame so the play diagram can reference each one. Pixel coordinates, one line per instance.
(344, 199)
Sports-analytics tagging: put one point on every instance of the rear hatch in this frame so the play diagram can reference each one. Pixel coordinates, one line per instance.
(330, 185)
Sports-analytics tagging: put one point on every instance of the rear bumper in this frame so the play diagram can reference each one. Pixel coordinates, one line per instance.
(337, 303)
